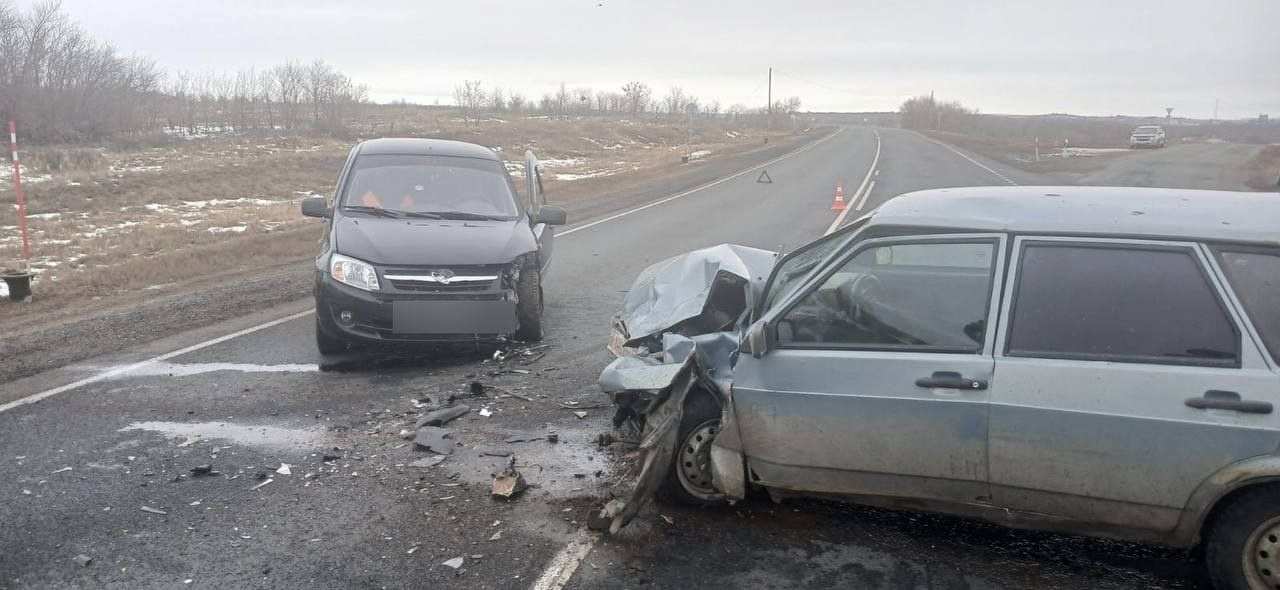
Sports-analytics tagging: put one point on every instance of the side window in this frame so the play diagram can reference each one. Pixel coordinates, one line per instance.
(1255, 277)
(1119, 303)
(926, 296)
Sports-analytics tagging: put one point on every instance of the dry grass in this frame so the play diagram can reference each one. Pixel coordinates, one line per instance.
(113, 221)
(1264, 169)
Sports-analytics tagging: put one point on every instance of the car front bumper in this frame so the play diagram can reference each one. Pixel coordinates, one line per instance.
(404, 317)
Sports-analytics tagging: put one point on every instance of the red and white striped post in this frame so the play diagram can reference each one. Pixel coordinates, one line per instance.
(17, 189)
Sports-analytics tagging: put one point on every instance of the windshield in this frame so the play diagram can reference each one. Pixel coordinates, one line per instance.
(431, 186)
(1147, 130)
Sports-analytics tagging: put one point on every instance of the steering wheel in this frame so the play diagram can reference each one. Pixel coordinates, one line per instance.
(864, 289)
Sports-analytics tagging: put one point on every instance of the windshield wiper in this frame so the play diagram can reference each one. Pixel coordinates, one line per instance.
(422, 214)
(377, 211)
(463, 215)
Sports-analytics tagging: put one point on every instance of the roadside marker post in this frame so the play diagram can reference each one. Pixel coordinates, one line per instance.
(17, 189)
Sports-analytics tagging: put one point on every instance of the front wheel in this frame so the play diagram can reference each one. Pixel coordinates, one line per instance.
(689, 481)
(1243, 545)
(529, 306)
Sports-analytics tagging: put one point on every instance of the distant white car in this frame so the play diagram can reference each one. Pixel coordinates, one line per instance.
(1147, 136)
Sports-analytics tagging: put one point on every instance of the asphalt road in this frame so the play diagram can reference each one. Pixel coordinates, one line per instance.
(1194, 165)
(352, 512)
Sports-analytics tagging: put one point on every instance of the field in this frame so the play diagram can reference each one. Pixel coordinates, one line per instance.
(149, 215)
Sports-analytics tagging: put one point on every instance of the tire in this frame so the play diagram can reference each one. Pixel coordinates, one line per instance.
(328, 344)
(529, 306)
(1242, 548)
(691, 465)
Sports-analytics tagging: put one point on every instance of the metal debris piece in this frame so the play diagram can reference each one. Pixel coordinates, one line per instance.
(61, 470)
(580, 414)
(431, 461)
(434, 439)
(495, 453)
(454, 563)
(154, 510)
(496, 536)
(476, 387)
(202, 470)
(406, 434)
(509, 483)
(83, 560)
(520, 439)
(486, 412)
(284, 469)
(442, 416)
(553, 438)
(264, 482)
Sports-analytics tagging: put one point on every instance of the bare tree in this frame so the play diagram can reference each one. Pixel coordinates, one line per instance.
(469, 97)
(674, 101)
(516, 102)
(637, 96)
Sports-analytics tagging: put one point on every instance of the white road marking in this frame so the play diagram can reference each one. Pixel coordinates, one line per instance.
(138, 365)
(975, 162)
(565, 563)
(708, 185)
(859, 198)
(864, 197)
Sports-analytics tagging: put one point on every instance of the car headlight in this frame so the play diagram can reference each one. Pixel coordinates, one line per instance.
(355, 273)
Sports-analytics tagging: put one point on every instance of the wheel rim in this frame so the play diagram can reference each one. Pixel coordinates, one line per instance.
(1262, 555)
(694, 467)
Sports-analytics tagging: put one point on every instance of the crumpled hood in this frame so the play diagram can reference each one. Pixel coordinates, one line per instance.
(413, 242)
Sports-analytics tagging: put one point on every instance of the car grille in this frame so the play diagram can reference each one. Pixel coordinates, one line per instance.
(446, 280)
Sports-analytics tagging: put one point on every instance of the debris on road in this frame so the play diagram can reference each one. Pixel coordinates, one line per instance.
(553, 438)
(434, 439)
(431, 461)
(496, 536)
(60, 470)
(486, 412)
(476, 388)
(203, 470)
(83, 560)
(154, 510)
(455, 563)
(264, 482)
(580, 414)
(284, 469)
(442, 416)
(522, 439)
(509, 483)
(495, 453)
(412, 550)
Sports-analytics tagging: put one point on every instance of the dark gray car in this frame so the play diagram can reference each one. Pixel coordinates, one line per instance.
(429, 241)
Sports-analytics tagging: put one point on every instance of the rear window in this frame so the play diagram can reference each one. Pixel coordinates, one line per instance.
(431, 184)
(1119, 303)
(1255, 277)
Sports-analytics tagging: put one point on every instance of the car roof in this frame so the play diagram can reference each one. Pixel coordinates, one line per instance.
(1100, 211)
(426, 147)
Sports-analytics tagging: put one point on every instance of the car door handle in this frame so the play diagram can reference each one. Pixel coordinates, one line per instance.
(1216, 399)
(950, 380)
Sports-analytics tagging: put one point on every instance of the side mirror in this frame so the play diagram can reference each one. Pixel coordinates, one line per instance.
(550, 215)
(756, 342)
(315, 207)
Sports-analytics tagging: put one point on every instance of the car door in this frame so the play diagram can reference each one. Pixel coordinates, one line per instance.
(875, 379)
(542, 232)
(1127, 377)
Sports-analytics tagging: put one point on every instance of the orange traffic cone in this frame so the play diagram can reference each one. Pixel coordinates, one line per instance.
(838, 205)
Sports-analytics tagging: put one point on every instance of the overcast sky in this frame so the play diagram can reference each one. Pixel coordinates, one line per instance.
(1097, 57)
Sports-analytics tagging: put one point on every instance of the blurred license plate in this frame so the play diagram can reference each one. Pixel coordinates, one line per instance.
(453, 317)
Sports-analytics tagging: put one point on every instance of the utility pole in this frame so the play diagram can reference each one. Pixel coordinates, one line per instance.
(769, 108)
(1215, 110)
